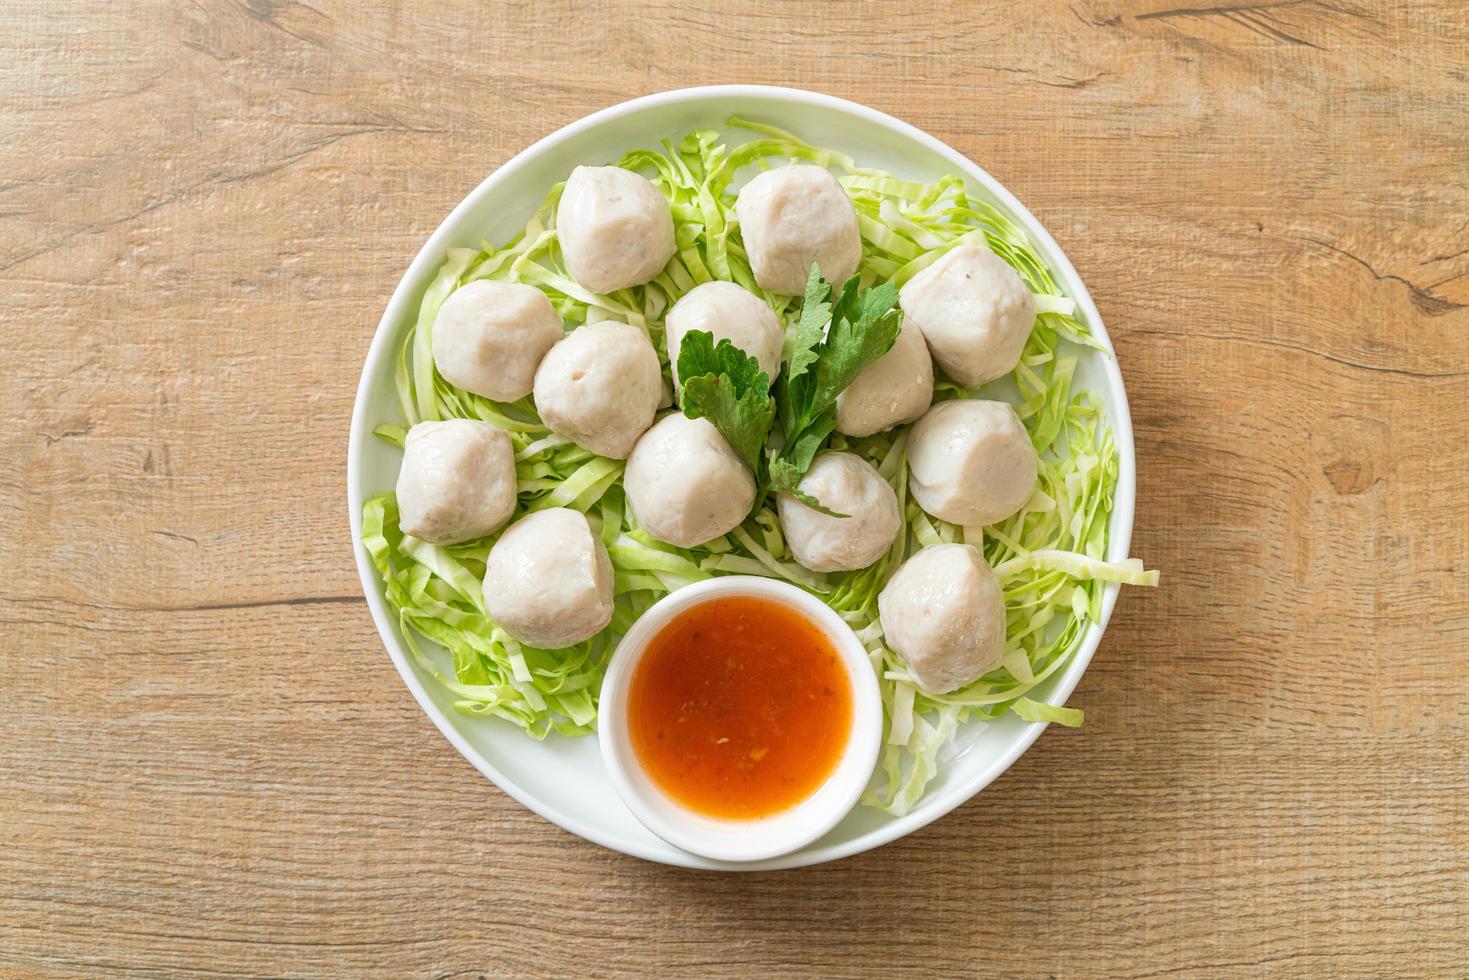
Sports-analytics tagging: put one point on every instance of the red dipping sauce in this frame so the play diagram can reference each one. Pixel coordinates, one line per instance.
(740, 708)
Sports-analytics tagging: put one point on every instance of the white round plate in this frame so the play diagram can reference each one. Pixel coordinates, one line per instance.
(562, 778)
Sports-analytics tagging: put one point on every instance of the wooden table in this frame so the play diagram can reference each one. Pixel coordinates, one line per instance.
(207, 763)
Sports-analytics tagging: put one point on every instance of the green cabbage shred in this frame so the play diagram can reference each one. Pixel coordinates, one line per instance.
(1049, 556)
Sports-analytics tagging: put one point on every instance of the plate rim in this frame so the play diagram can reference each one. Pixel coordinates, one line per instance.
(950, 797)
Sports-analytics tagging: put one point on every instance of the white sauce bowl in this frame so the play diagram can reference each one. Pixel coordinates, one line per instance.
(740, 839)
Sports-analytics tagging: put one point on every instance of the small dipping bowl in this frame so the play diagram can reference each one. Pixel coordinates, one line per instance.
(729, 839)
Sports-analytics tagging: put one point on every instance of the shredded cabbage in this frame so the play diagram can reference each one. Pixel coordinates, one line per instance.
(1049, 556)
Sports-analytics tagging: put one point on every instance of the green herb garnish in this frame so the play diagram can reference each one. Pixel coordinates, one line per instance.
(725, 385)
(831, 344)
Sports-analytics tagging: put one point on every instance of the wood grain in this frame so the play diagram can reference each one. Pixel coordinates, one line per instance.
(207, 764)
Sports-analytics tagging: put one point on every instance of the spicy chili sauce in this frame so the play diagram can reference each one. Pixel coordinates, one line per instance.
(740, 708)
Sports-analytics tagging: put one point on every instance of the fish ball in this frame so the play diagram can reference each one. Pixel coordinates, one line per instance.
(943, 612)
(600, 387)
(548, 580)
(850, 485)
(686, 484)
(615, 228)
(975, 312)
(971, 462)
(489, 337)
(792, 217)
(728, 312)
(896, 388)
(457, 481)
